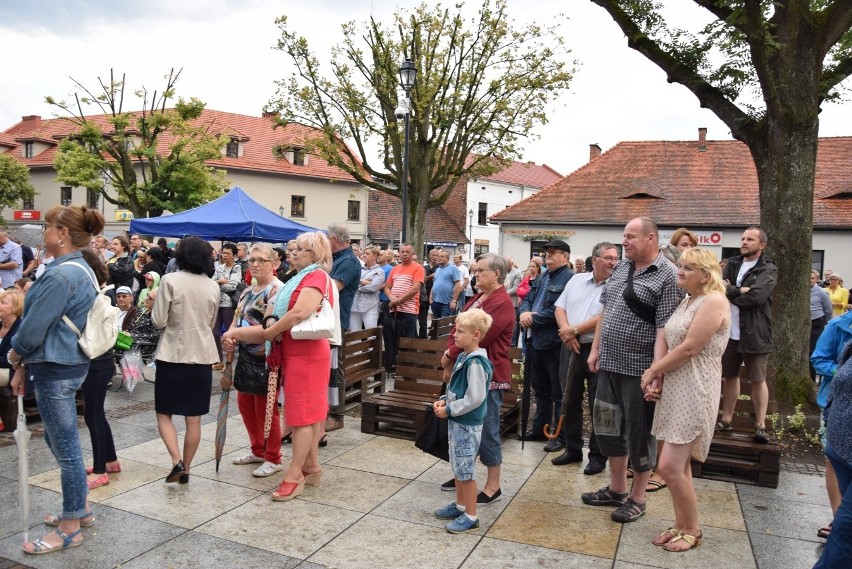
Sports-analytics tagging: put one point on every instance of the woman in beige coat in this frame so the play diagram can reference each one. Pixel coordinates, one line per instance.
(184, 312)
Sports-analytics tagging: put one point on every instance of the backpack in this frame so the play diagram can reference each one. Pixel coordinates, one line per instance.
(101, 329)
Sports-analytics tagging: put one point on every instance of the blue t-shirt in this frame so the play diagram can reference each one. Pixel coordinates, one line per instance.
(445, 281)
(387, 268)
(346, 269)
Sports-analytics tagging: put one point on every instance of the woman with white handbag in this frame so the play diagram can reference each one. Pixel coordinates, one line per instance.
(299, 326)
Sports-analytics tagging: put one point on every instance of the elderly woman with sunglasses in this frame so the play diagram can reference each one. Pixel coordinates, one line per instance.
(303, 363)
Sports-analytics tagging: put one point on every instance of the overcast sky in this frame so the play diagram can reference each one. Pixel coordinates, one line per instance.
(225, 50)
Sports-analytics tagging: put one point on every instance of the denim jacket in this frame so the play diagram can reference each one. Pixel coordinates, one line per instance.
(545, 333)
(61, 290)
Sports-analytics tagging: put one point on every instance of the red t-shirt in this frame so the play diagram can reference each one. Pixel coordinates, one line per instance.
(401, 279)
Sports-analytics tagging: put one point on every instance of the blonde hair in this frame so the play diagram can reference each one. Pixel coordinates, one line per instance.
(320, 248)
(265, 249)
(475, 320)
(705, 261)
(17, 298)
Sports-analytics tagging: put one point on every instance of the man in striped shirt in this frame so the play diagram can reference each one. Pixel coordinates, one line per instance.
(403, 291)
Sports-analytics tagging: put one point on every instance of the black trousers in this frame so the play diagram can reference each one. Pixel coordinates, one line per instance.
(577, 375)
(817, 326)
(544, 370)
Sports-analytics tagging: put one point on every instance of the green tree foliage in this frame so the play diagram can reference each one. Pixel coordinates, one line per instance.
(14, 182)
(763, 67)
(153, 159)
(482, 87)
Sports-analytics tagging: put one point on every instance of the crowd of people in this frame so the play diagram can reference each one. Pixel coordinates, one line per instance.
(649, 343)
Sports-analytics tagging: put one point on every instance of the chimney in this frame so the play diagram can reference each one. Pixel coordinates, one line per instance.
(702, 139)
(594, 151)
(30, 123)
(270, 114)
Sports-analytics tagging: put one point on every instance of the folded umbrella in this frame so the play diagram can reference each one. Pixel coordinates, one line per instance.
(273, 363)
(525, 396)
(566, 399)
(226, 383)
(22, 439)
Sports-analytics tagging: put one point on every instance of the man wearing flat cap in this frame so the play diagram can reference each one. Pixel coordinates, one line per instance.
(538, 322)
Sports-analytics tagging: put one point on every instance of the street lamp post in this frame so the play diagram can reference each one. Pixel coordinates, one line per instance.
(407, 75)
(281, 210)
(470, 217)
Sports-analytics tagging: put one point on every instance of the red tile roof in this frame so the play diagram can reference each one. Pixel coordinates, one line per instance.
(385, 217)
(676, 184)
(527, 174)
(7, 140)
(257, 133)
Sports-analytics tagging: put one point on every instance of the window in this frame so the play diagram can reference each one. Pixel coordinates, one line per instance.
(479, 250)
(65, 195)
(817, 261)
(297, 206)
(354, 211)
(483, 214)
(28, 150)
(728, 252)
(299, 156)
(29, 203)
(232, 150)
(537, 248)
(92, 198)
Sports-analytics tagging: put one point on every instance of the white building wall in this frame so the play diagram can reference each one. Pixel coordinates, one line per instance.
(498, 196)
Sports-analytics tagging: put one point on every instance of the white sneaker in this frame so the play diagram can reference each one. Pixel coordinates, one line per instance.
(250, 458)
(267, 469)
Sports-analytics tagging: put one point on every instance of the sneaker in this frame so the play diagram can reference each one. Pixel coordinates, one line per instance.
(484, 499)
(604, 497)
(250, 458)
(629, 511)
(760, 435)
(449, 512)
(267, 469)
(449, 485)
(462, 524)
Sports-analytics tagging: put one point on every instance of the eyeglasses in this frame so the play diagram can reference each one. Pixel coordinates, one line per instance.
(609, 259)
(48, 226)
(558, 251)
(301, 250)
(254, 261)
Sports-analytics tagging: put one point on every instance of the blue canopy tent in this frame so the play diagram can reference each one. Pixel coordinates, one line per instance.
(233, 217)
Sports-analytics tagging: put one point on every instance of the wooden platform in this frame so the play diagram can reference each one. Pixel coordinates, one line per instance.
(735, 456)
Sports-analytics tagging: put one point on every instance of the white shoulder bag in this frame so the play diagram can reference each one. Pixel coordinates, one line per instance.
(321, 324)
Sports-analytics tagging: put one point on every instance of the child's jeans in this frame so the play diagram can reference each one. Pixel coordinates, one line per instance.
(464, 444)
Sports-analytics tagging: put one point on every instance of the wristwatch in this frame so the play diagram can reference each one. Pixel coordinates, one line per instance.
(576, 332)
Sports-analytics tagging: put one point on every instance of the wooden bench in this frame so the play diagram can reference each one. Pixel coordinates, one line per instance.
(510, 411)
(735, 456)
(360, 364)
(399, 412)
(441, 327)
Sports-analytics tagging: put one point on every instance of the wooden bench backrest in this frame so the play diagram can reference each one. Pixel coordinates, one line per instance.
(441, 327)
(360, 351)
(418, 366)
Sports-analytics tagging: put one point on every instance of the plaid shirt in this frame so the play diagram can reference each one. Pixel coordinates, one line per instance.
(627, 341)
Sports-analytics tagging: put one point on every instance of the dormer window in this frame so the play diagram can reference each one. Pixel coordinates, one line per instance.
(232, 149)
(298, 156)
(28, 149)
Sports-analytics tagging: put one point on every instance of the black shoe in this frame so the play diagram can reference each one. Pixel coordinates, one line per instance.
(594, 467)
(484, 499)
(533, 436)
(449, 485)
(323, 442)
(554, 446)
(184, 479)
(567, 457)
(176, 472)
(287, 439)
(760, 435)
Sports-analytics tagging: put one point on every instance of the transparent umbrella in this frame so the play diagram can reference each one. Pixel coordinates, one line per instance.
(30, 235)
(22, 439)
(226, 383)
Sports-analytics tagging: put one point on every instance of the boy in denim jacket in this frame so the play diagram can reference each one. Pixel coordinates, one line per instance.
(464, 405)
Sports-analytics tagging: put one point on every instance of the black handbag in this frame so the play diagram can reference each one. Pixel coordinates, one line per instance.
(434, 437)
(250, 373)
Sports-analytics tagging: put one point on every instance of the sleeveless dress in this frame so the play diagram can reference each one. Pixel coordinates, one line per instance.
(689, 402)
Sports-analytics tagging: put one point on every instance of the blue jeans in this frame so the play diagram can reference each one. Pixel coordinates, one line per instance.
(58, 409)
(490, 451)
(464, 443)
(838, 547)
(440, 310)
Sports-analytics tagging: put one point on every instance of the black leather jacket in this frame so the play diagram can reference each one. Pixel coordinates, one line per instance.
(755, 305)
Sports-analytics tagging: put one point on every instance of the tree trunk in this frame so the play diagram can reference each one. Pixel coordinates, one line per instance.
(785, 157)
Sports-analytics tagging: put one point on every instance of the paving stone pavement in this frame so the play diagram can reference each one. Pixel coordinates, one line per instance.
(374, 509)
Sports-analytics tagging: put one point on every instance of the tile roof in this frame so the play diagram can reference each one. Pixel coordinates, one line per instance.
(257, 135)
(385, 216)
(7, 140)
(676, 184)
(527, 174)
